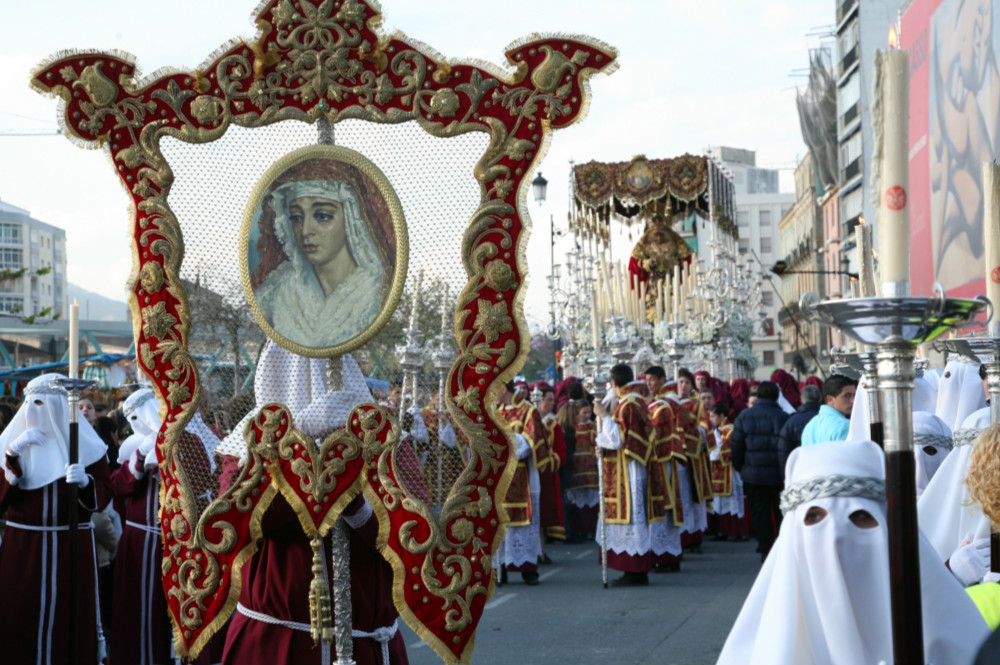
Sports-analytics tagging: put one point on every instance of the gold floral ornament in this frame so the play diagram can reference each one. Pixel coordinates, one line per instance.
(493, 320)
(312, 58)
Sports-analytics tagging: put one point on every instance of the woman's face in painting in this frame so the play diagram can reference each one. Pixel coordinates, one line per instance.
(319, 227)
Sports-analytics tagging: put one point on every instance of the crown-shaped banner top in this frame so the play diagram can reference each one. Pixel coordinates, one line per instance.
(313, 59)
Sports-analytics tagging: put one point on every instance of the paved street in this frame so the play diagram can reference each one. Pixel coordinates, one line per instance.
(679, 619)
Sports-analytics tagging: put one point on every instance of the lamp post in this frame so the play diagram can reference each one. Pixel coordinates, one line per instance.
(539, 187)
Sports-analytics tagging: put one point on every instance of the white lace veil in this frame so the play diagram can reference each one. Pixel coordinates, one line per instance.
(300, 384)
(46, 407)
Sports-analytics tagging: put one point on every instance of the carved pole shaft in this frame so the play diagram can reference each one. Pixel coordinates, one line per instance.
(342, 618)
(993, 387)
(895, 374)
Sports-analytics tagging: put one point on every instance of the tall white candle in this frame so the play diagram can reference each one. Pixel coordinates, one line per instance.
(677, 292)
(642, 301)
(74, 340)
(415, 302)
(894, 210)
(594, 328)
(991, 239)
(632, 294)
(659, 300)
(621, 287)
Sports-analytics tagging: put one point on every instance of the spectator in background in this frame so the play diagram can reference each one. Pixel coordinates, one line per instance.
(833, 422)
(707, 397)
(790, 437)
(87, 409)
(755, 457)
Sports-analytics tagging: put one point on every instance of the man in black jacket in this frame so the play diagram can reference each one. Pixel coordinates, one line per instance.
(755, 456)
(790, 437)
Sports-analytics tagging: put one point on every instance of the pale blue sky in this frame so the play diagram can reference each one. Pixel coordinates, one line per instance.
(691, 75)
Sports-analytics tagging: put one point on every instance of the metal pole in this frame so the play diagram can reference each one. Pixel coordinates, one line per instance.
(874, 396)
(993, 387)
(604, 520)
(895, 374)
(440, 446)
(73, 518)
(342, 614)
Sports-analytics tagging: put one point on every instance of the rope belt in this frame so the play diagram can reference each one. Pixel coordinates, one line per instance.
(34, 527)
(381, 635)
(966, 436)
(835, 485)
(936, 440)
(155, 530)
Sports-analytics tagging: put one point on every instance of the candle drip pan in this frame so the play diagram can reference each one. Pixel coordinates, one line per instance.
(874, 320)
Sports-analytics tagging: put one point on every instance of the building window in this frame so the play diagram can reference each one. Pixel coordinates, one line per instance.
(851, 205)
(743, 218)
(765, 217)
(744, 245)
(765, 245)
(767, 299)
(11, 259)
(768, 358)
(10, 234)
(9, 305)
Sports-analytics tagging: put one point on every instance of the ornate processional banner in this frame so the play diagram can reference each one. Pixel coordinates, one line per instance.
(299, 200)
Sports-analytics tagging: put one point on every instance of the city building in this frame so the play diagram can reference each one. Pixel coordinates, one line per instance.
(861, 28)
(800, 269)
(759, 207)
(32, 265)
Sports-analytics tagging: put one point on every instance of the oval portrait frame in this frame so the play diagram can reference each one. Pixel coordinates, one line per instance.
(382, 212)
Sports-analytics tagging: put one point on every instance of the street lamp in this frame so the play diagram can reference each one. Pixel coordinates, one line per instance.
(538, 186)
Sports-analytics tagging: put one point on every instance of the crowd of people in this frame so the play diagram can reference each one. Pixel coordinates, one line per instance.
(647, 468)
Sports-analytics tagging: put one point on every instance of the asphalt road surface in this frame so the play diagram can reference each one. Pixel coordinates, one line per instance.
(679, 619)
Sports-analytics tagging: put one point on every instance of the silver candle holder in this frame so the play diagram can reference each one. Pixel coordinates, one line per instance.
(894, 325)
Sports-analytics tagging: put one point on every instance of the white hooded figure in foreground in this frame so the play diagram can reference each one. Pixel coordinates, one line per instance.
(822, 596)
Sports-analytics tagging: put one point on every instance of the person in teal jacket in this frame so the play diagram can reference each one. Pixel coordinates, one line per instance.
(834, 418)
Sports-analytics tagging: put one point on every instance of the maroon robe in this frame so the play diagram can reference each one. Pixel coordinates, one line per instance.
(141, 633)
(276, 583)
(34, 570)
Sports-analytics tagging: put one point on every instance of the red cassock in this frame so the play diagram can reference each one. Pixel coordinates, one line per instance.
(141, 632)
(275, 582)
(34, 570)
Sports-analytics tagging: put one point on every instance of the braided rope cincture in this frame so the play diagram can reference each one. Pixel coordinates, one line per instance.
(937, 440)
(836, 485)
(966, 436)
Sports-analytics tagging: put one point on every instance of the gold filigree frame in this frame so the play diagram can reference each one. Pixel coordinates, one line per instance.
(327, 58)
(391, 299)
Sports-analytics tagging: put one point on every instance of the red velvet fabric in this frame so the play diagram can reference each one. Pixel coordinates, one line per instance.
(276, 582)
(34, 565)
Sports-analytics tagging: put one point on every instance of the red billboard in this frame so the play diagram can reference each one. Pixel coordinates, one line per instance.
(954, 128)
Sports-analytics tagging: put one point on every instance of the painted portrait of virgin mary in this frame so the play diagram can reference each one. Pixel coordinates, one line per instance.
(323, 252)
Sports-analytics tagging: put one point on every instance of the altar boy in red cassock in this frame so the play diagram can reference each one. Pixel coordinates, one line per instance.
(624, 439)
(271, 625)
(34, 554)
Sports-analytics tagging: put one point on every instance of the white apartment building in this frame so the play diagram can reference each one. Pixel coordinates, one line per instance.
(39, 249)
(759, 208)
